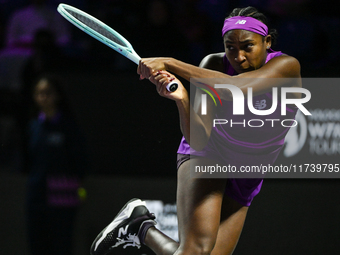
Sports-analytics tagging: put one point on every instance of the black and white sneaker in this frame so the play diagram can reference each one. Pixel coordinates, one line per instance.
(124, 229)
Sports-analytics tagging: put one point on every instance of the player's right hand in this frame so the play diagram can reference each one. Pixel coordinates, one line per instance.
(161, 79)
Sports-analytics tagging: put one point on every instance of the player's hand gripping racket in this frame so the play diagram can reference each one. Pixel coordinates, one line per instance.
(103, 33)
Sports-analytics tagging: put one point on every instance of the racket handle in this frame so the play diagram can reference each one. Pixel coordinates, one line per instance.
(172, 86)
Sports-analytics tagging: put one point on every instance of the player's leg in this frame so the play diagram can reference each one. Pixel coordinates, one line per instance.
(160, 243)
(233, 216)
(199, 204)
(198, 209)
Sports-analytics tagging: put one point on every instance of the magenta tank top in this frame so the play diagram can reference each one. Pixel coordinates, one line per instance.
(240, 139)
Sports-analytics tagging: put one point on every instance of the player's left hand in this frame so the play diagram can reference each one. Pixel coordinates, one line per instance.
(148, 66)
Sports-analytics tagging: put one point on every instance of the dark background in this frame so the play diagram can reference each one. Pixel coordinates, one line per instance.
(133, 134)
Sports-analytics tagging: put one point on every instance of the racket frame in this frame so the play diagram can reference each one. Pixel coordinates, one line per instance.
(126, 51)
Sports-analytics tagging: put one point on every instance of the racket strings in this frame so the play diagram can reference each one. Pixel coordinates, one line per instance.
(96, 27)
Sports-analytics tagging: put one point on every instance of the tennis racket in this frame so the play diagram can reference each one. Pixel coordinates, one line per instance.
(103, 33)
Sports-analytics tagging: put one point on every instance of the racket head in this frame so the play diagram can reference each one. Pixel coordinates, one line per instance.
(98, 30)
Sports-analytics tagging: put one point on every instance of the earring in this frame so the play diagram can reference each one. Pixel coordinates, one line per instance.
(267, 47)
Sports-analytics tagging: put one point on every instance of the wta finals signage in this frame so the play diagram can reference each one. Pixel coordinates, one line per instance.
(318, 133)
(317, 137)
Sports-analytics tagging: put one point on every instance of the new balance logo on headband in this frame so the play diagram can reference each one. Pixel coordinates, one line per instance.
(241, 22)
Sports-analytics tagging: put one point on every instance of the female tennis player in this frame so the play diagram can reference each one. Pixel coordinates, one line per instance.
(212, 212)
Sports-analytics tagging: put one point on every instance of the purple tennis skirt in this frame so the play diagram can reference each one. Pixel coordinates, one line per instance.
(241, 190)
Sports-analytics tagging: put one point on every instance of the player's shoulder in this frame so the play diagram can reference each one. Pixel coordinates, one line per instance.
(286, 59)
(213, 61)
(288, 64)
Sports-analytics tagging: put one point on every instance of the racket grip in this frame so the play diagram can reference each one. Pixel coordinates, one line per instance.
(172, 86)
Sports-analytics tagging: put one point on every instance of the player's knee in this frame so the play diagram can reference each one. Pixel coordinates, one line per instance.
(198, 247)
(193, 251)
(204, 247)
(202, 250)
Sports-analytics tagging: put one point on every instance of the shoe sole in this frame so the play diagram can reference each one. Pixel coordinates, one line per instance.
(123, 214)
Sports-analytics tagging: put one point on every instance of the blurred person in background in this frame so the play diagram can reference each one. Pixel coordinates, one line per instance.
(46, 57)
(56, 162)
(25, 22)
(21, 29)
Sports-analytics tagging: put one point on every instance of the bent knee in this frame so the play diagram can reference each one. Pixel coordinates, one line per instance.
(199, 246)
(193, 252)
